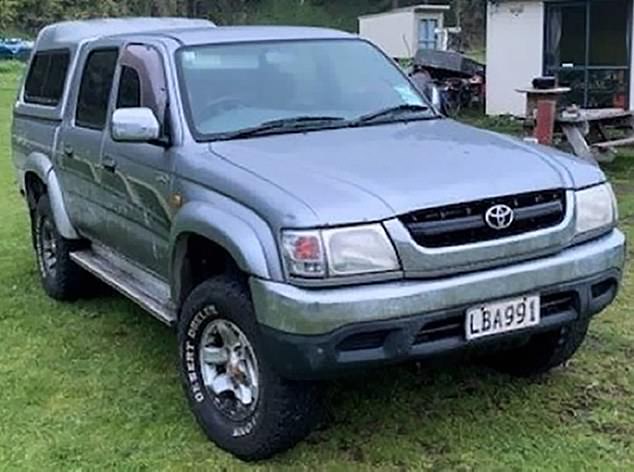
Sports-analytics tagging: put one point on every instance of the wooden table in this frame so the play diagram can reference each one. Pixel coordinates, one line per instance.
(587, 131)
(534, 96)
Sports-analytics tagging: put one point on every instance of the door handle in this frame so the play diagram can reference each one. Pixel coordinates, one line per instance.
(68, 151)
(109, 164)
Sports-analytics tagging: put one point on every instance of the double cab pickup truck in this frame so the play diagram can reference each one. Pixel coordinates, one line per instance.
(292, 204)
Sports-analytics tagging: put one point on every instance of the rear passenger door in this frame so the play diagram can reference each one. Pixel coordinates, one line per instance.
(137, 176)
(81, 141)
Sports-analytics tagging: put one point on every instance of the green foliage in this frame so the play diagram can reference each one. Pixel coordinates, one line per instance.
(8, 11)
(9, 70)
(295, 12)
(31, 15)
(500, 124)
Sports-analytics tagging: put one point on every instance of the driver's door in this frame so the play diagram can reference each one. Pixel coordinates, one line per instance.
(138, 175)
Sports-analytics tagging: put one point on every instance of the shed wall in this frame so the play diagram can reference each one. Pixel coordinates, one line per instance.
(515, 44)
(395, 32)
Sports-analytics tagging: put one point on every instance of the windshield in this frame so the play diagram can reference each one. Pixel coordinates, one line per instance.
(233, 87)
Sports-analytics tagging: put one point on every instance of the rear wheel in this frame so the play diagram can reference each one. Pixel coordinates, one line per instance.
(238, 400)
(61, 278)
(543, 352)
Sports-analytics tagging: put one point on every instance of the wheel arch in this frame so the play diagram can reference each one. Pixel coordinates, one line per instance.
(232, 243)
(39, 171)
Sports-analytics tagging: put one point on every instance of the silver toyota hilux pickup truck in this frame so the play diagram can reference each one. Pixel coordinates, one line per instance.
(293, 206)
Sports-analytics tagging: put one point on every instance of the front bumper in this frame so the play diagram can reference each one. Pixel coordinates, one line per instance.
(305, 329)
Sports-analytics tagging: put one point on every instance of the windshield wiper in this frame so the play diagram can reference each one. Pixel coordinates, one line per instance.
(283, 125)
(391, 112)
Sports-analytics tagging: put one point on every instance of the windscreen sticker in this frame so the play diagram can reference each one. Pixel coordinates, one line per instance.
(408, 95)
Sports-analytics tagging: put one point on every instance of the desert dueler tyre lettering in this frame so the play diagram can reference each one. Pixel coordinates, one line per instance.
(239, 401)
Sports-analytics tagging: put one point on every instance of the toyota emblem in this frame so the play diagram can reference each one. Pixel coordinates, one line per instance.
(499, 217)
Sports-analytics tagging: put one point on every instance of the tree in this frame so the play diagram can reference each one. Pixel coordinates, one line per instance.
(227, 11)
(31, 15)
(470, 16)
(8, 11)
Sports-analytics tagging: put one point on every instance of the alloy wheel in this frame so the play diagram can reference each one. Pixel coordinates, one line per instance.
(229, 369)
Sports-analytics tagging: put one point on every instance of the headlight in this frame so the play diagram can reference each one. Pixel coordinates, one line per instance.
(596, 208)
(359, 250)
(338, 252)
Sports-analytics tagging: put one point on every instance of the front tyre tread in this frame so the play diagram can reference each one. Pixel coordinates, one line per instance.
(286, 411)
(543, 352)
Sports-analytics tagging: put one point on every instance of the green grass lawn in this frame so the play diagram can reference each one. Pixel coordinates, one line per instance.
(94, 385)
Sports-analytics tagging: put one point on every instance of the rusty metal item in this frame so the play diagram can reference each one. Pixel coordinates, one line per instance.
(545, 123)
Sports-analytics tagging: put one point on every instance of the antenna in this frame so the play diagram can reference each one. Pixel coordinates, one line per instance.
(407, 46)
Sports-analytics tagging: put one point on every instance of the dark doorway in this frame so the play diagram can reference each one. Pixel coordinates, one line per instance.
(588, 48)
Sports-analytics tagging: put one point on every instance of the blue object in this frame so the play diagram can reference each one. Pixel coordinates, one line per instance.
(15, 48)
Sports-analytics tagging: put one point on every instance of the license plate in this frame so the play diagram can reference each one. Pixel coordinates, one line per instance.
(502, 316)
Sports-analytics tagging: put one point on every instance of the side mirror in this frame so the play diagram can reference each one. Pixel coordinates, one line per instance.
(135, 125)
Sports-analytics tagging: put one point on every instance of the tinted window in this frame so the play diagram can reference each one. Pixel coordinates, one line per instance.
(129, 89)
(45, 82)
(609, 41)
(95, 88)
(572, 50)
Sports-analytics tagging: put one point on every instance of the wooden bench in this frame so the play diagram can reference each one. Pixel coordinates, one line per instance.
(588, 132)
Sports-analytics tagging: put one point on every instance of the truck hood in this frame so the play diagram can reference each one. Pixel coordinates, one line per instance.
(378, 172)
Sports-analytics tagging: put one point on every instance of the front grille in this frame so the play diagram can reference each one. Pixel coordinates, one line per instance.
(441, 329)
(447, 328)
(453, 326)
(361, 341)
(557, 303)
(465, 223)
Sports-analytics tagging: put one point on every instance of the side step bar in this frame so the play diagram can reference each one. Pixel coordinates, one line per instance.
(125, 282)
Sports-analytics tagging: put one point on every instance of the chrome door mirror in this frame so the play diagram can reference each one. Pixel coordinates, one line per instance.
(135, 125)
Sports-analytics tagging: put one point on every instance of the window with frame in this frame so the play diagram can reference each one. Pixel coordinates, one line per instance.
(588, 48)
(142, 81)
(427, 36)
(231, 87)
(95, 89)
(46, 78)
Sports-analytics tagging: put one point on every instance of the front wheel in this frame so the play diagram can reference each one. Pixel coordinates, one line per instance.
(238, 400)
(543, 352)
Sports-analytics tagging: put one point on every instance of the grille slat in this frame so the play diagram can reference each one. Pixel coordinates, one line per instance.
(441, 329)
(363, 341)
(551, 304)
(465, 223)
(558, 303)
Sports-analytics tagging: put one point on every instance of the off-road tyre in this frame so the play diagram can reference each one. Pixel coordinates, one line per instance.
(67, 281)
(543, 352)
(286, 411)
